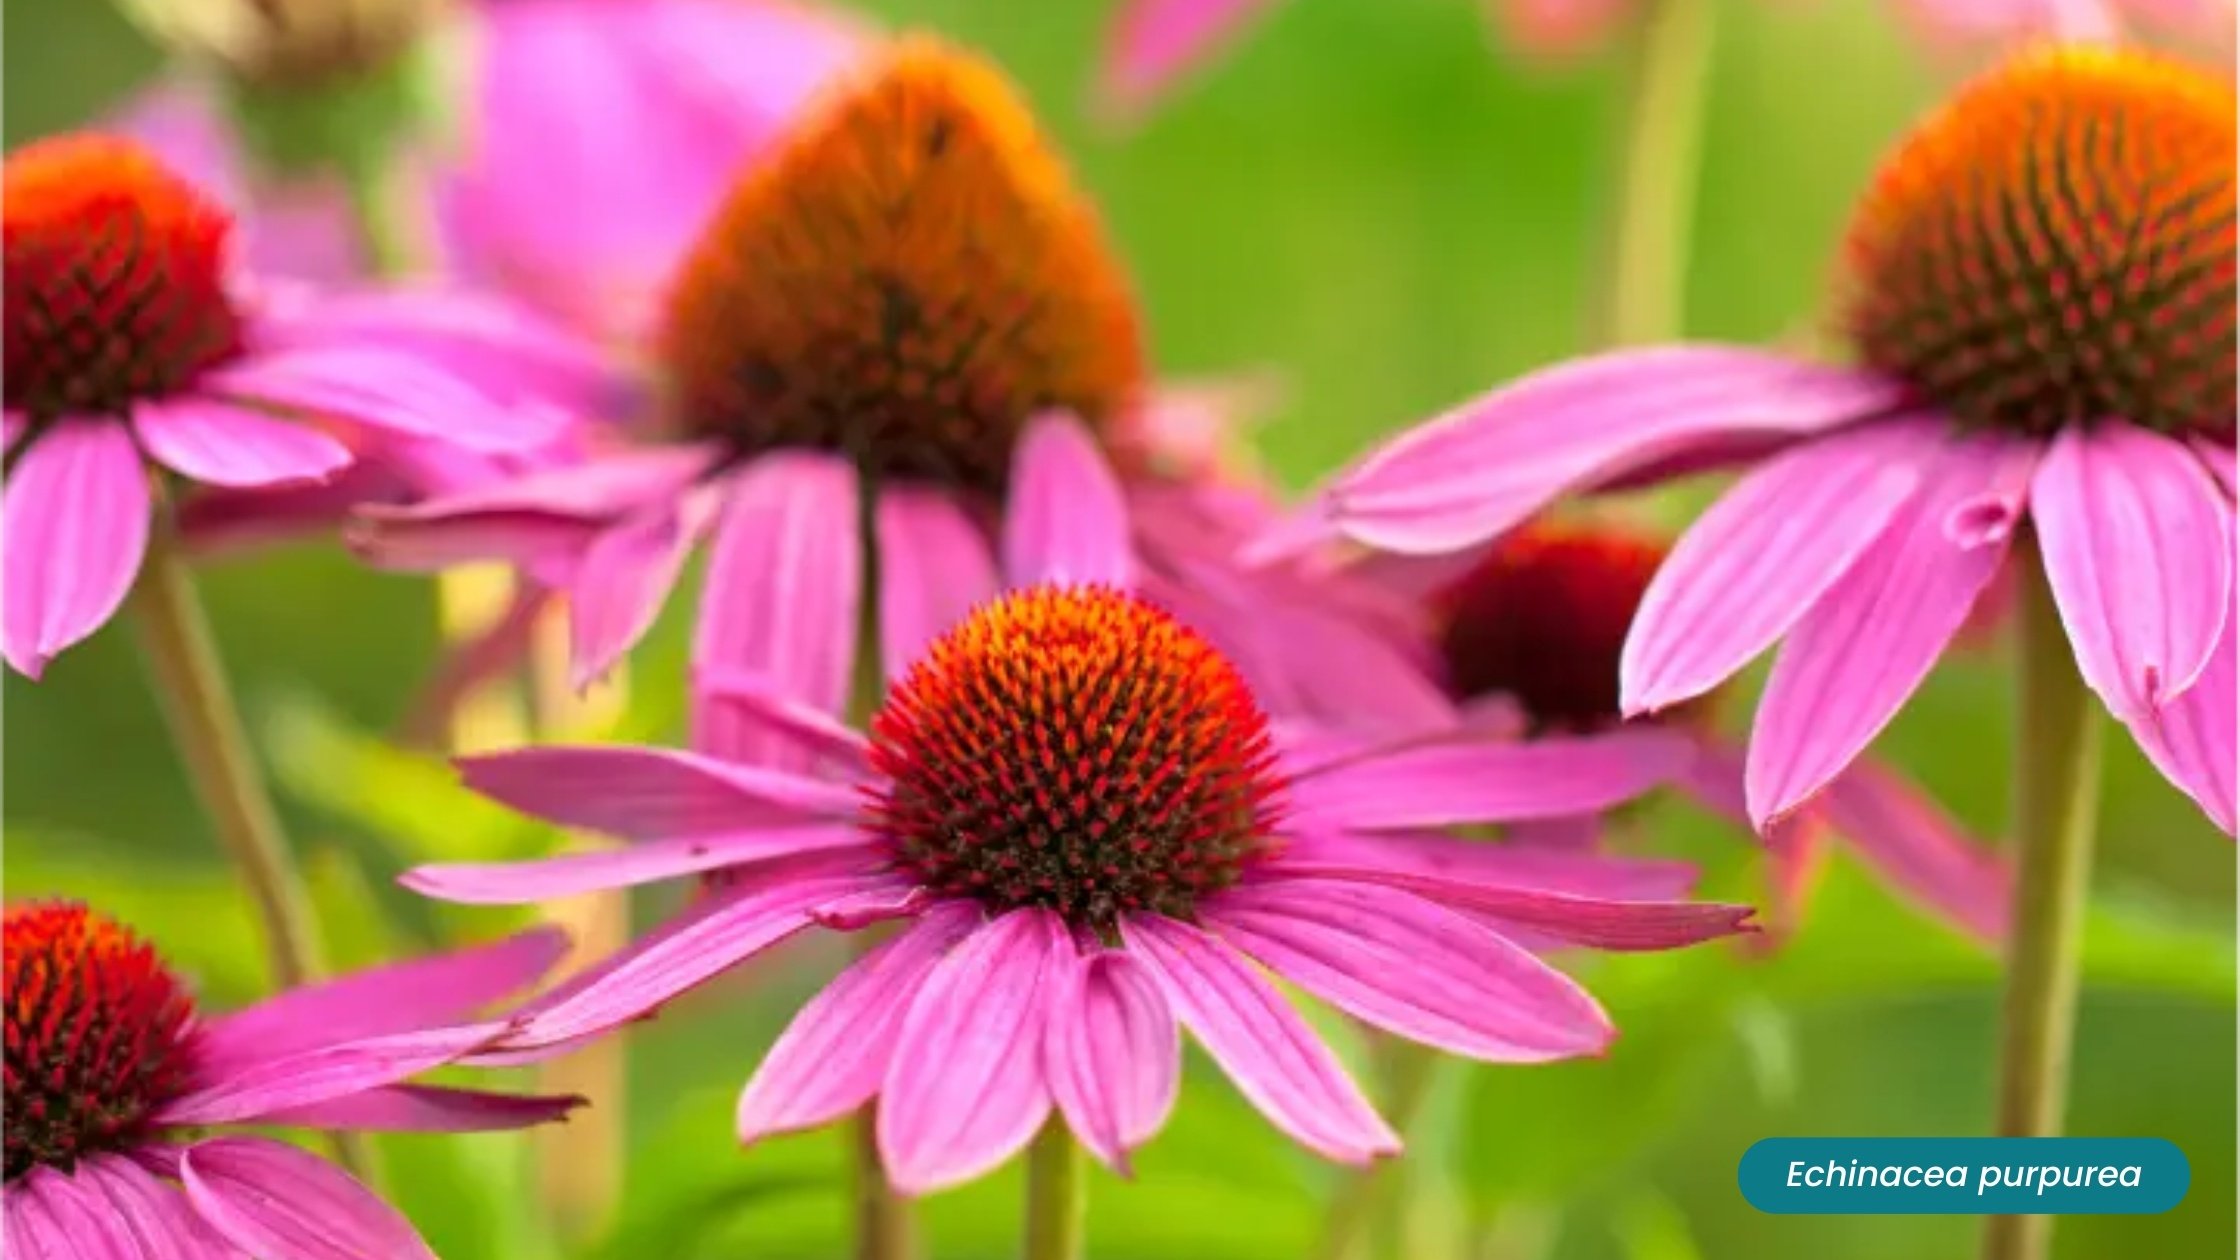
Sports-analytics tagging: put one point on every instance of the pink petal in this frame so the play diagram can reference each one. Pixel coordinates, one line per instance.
(270, 1199)
(497, 346)
(387, 389)
(250, 1091)
(1908, 840)
(824, 743)
(1263, 1045)
(1066, 521)
(1852, 661)
(831, 1059)
(225, 445)
(429, 1109)
(647, 862)
(964, 1088)
(625, 577)
(1596, 922)
(61, 1217)
(1112, 1052)
(1413, 968)
(156, 1215)
(394, 998)
(2137, 542)
(651, 793)
(75, 520)
(13, 424)
(2191, 739)
(719, 932)
(1153, 42)
(934, 568)
(1558, 29)
(1522, 859)
(1761, 557)
(781, 595)
(2222, 461)
(1447, 783)
(1486, 466)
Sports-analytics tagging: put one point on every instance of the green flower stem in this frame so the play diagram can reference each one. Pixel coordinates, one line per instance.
(385, 206)
(2057, 795)
(190, 680)
(1653, 221)
(1057, 1205)
(1365, 1195)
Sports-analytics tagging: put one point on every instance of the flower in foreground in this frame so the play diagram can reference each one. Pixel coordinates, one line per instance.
(130, 340)
(849, 353)
(1089, 831)
(115, 1081)
(2039, 288)
(1528, 635)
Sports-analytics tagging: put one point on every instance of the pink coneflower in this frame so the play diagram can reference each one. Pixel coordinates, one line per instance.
(676, 92)
(2043, 316)
(115, 1081)
(1083, 820)
(852, 347)
(1529, 635)
(129, 339)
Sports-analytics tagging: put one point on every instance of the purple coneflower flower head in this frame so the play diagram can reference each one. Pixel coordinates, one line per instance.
(2038, 355)
(1529, 632)
(130, 341)
(115, 1083)
(822, 383)
(1089, 832)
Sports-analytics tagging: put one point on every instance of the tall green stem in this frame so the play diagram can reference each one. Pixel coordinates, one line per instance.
(1057, 1205)
(2057, 793)
(385, 206)
(1364, 1193)
(197, 700)
(1660, 158)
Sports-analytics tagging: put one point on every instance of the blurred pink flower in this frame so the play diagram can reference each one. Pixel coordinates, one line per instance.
(1529, 631)
(2030, 358)
(115, 1081)
(1156, 43)
(130, 339)
(1089, 827)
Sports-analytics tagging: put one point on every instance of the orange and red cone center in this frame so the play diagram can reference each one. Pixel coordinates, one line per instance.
(115, 285)
(96, 1027)
(2055, 246)
(907, 280)
(1075, 749)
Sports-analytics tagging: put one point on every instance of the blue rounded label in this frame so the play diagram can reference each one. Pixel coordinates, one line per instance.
(1953, 1176)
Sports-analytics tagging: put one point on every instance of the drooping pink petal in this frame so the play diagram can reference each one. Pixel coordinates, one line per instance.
(1259, 1041)
(393, 998)
(225, 445)
(63, 1218)
(273, 1200)
(1411, 967)
(1906, 838)
(964, 1088)
(526, 517)
(387, 390)
(651, 793)
(2222, 461)
(249, 1091)
(495, 345)
(647, 862)
(832, 1058)
(1761, 557)
(2137, 543)
(712, 936)
(1066, 521)
(625, 577)
(891, 894)
(1523, 860)
(827, 743)
(1851, 662)
(1154, 42)
(157, 1216)
(2191, 739)
(935, 566)
(75, 524)
(1595, 922)
(1112, 1052)
(429, 1109)
(1486, 466)
(1462, 781)
(780, 600)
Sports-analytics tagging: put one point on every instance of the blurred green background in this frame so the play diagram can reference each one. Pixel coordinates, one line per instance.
(1389, 213)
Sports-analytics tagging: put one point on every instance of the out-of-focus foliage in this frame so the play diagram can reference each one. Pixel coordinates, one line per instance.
(1390, 215)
